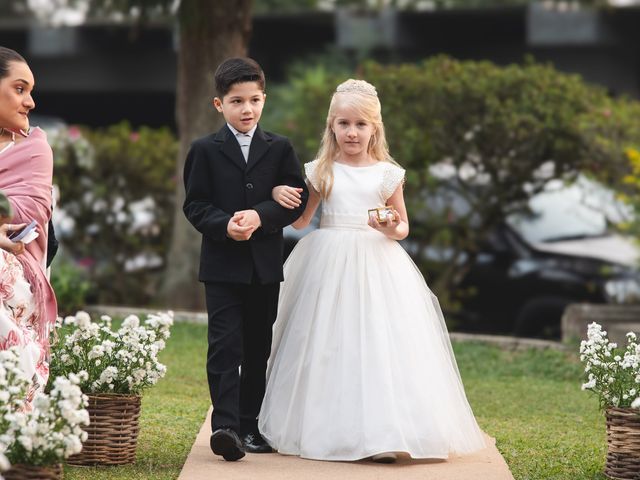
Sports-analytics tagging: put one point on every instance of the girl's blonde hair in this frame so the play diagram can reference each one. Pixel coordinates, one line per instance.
(363, 98)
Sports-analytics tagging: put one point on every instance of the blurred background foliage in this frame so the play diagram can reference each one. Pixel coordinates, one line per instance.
(287, 6)
(512, 128)
(144, 10)
(116, 189)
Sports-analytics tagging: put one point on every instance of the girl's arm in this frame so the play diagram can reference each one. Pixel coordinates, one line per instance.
(397, 226)
(289, 197)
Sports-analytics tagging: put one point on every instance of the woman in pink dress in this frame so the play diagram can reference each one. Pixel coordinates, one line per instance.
(28, 306)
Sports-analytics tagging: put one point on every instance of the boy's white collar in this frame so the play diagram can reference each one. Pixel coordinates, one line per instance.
(236, 132)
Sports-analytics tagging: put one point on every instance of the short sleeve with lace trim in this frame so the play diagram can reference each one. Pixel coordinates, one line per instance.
(310, 172)
(393, 176)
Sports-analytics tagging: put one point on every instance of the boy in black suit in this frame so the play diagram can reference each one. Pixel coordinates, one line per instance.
(228, 180)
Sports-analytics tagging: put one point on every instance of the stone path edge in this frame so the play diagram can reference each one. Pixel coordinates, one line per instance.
(503, 341)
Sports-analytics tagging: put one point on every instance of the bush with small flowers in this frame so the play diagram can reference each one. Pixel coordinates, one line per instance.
(612, 373)
(122, 361)
(45, 432)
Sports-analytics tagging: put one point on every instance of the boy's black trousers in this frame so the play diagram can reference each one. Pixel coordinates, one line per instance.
(241, 318)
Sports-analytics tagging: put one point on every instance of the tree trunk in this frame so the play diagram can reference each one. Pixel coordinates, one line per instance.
(210, 32)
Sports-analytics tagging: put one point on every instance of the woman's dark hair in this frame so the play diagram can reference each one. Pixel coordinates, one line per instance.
(237, 70)
(7, 56)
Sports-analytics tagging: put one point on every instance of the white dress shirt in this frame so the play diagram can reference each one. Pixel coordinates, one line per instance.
(244, 140)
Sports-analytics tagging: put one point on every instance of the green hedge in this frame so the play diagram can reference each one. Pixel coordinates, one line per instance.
(102, 175)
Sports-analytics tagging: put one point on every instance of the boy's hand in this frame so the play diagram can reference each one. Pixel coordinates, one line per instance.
(288, 197)
(6, 244)
(243, 224)
(237, 232)
(247, 218)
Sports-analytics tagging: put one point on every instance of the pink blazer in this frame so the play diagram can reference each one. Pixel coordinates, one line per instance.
(26, 176)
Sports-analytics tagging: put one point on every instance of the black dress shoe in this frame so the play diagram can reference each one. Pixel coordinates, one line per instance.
(225, 442)
(254, 443)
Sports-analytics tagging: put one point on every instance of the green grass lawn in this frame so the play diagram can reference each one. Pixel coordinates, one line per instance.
(172, 413)
(530, 401)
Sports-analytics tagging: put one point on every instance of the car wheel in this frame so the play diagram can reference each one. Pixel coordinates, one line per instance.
(540, 317)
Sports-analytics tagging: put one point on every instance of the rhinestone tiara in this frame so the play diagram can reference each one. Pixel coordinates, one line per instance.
(357, 86)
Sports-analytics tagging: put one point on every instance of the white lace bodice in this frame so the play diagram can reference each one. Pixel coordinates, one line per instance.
(355, 191)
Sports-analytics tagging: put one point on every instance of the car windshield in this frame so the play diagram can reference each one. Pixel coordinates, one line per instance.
(580, 210)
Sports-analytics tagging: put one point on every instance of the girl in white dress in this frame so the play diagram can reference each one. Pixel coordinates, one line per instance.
(361, 363)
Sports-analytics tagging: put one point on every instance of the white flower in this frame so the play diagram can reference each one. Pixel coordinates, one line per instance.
(636, 403)
(122, 361)
(610, 369)
(53, 423)
(132, 321)
(26, 441)
(108, 346)
(83, 320)
(589, 385)
(96, 352)
(4, 463)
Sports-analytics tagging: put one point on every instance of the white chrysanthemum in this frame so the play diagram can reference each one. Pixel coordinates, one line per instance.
(83, 320)
(132, 321)
(108, 346)
(96, 352)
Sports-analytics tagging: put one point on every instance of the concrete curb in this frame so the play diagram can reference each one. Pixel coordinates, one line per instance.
(119, 311)
(502, 341)
(509, 343)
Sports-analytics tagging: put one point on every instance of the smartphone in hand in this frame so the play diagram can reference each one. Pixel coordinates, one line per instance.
(26, 235)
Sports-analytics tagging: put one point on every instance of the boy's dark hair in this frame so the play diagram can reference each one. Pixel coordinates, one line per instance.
(237, 70)
(6, 56)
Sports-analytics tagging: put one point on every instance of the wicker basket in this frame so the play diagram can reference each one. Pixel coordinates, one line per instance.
(29, 472)
(623, 442)
(113, 431)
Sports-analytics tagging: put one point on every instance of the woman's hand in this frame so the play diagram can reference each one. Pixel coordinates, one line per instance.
(288, 197)
(5, 243)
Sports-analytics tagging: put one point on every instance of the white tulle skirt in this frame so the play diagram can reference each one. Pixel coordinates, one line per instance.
(361, 361)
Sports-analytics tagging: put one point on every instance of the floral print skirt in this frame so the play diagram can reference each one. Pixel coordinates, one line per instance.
(18, 326)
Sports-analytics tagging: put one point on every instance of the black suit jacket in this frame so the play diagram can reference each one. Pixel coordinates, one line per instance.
(218, 182)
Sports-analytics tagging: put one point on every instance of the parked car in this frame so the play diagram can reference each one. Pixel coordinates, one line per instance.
(534, 264)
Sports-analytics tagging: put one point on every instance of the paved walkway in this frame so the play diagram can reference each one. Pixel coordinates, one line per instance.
(201, 464)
